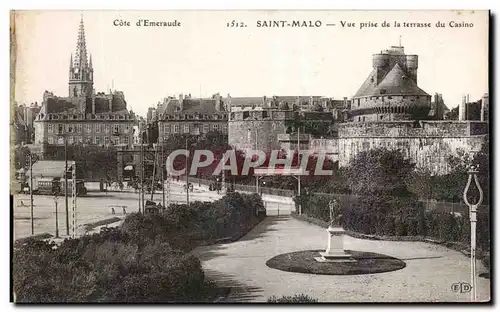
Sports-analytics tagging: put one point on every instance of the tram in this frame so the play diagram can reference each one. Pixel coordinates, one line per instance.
(55, 186)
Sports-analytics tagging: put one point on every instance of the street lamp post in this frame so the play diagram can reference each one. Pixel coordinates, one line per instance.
(187, 175)
(298, 163)
(57, 217)
(162, 163)
(473, 219)
(31, 195)
(63, 136)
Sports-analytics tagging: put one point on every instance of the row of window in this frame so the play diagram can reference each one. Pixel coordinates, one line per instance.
(405, 146)
(98, 140)
(388, 97)
(97, 128)
(186, 128)
(196, 116)
(81, 116)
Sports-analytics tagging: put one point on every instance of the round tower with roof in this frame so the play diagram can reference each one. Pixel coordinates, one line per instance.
(391, 92)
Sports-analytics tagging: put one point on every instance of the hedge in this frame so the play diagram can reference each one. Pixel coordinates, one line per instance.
(393, 216)
(292, 299)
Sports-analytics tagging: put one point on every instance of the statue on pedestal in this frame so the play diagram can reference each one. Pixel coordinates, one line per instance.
(335, 215)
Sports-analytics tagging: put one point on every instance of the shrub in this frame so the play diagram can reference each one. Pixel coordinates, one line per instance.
(289, 299)
(395, 216)
(97, 269)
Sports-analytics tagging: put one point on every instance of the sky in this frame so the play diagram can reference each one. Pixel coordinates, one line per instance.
(203, 56)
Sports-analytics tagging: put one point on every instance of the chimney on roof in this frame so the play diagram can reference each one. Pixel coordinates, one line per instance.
(462, 108)
(484, 107)
(181, 102)
(218, 106)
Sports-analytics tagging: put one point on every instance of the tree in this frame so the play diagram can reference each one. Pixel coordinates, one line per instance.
(380, 172)
(21, 154)
(453, 114)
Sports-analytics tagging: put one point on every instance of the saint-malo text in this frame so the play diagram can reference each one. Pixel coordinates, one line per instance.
(285, 23)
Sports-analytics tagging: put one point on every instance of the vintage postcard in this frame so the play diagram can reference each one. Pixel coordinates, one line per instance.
(250, 156)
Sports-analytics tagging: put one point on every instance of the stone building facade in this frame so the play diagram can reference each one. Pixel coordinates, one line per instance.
(391, 92)
(195, 116)
(84, 116)
(269, 129)
(427, 143)
(24, 117)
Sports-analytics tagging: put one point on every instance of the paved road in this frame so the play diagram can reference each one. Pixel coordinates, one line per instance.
(93, 207)
(96, 206)
(429, 273)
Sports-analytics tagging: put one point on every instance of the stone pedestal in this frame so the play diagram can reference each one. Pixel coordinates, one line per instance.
(335, 250)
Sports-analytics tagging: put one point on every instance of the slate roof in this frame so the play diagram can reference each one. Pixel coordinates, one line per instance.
(367, 86)
(244, 101)
(396, 82)
(59, 104)
(293, 98)
(192, 106)
(19, 122)
(56, 104)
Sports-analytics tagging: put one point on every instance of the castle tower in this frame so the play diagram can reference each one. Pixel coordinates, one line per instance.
(81, 73)
(391, 92)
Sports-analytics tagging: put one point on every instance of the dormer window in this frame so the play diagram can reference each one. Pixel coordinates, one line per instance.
(111, 117)
(93, 117)
(75, 117)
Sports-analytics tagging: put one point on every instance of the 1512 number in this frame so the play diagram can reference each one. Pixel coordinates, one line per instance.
(234, 23)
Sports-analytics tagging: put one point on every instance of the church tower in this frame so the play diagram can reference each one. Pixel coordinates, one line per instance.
(81, 73)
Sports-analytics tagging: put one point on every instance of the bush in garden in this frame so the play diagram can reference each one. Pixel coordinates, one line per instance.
(102, 269)
(292, 299)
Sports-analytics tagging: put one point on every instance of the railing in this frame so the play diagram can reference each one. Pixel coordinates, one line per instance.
(439, 206)
(245, 188)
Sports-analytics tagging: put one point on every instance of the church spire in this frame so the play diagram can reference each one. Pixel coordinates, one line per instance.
(81, 77)
(81, 48)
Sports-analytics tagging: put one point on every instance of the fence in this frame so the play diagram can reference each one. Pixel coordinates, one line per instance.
(439, 206)
(245, 188)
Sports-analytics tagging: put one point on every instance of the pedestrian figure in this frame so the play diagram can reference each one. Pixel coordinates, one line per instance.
(112, 210)
(124, 210)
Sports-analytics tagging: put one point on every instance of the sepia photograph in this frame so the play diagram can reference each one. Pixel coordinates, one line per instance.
(250, 156)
